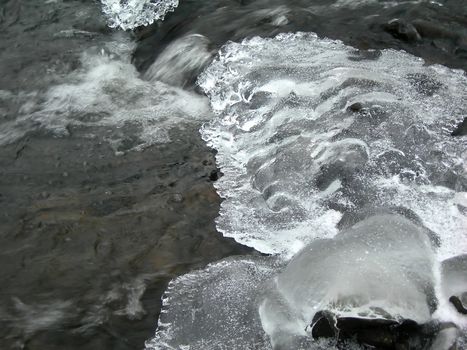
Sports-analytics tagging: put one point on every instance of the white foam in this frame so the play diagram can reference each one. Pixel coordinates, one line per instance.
(181, 61)
(31, 318)
(108, 99)
(128, 14)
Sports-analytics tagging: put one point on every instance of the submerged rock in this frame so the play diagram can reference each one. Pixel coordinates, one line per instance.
(461, 129)
(454, 282)
(402, 30)
(378, 333)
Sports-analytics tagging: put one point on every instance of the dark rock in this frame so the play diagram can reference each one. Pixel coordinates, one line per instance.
(355, 107)
(322, 325)
(382, 333)
(460, 307)
(461, 129)
(215, 175)
(402, 30)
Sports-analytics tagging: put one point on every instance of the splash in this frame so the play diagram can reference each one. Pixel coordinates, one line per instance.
(106, 98)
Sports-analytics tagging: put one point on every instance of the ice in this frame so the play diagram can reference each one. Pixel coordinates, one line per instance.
(340, 164)
(453, 283)
(215, 308)
(381, 268)
(128, 14)
(309, 129)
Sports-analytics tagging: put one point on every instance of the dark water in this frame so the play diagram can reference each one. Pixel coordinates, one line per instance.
(92, 231)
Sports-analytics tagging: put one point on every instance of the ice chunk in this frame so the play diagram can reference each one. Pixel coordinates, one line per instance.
(215, 308)
(128, 14)
(381, 269)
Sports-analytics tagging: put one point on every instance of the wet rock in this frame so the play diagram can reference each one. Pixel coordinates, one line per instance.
(383, 333)
(355, 107)
(103, 248)
(176, 198)
(182, 61)
(458, 304)
(461, 129)
(434, 30)
(402, 30)
(454, 282)
(107, 206)
(50, 249)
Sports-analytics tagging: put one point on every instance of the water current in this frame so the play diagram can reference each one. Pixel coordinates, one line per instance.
(262, 174)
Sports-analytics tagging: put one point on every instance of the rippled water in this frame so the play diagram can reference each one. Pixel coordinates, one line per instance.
(336, 162)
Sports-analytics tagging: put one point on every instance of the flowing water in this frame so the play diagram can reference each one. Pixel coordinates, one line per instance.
(340, 158)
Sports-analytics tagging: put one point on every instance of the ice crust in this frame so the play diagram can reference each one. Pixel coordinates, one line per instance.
(309, 128)
(129, 14)
(214, 308)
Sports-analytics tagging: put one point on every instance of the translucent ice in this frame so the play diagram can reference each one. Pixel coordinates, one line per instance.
(309, 128)
(214, 308)
(128, 14)
(381, 268)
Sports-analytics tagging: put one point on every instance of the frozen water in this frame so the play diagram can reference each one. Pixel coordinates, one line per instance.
(309, 128)
(381, 268)
(128, 14)
(214, 308)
